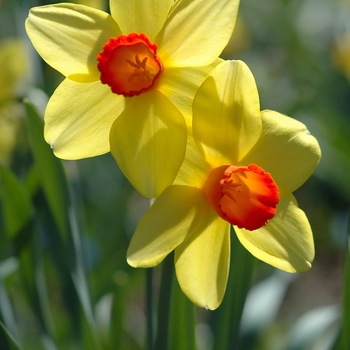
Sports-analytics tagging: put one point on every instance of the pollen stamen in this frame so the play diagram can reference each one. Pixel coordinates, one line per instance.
(231, 188)
(140, 70)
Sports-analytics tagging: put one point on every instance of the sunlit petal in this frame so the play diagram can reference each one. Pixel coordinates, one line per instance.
(69, 37)
(226, 114)
(181, 84)
(173, 216)
(286, 242)
(97, 4)
(196, 32)
(202, 262)
(140, 16)
(148, 141)
(286, 149)
(195, 169)
(78, 119)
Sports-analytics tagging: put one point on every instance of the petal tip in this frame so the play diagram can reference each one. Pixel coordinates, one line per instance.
(139, 263)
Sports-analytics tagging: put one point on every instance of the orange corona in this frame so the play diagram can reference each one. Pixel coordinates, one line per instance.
(129, 64)
(245, 196)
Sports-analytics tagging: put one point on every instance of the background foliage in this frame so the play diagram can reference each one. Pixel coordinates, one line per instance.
(65, 226)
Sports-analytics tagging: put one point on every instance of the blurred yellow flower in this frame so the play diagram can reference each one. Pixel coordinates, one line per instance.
(9, 122)
(157, 52)
(240, 168)
(13, 65)
(341, 54)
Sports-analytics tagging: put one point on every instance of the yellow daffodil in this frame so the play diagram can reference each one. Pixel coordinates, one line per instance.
(97, 4)
(14, 65)
(9, 123)
(240, 169)
(341, 54)
(130, 79)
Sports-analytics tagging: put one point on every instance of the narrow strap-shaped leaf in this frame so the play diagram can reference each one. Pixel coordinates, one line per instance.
(50, 169)
(14, 202)
(17, 211)
(149, 308)
(161, 342)
(10, 325)
(262, 306)
(57, 193)
(343, 339)
(228, 316)
(13, 342)
(182, 321)
(346, 294)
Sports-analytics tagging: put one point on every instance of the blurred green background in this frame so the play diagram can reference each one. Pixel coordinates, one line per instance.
(65, 226)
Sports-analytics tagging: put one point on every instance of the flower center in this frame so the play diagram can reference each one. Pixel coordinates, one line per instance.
(244, 196)
(129, 64)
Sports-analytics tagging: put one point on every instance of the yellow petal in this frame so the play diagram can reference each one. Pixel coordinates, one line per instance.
(97, 4)
(196, 32)
(286, 150)
(140, 16)
(202, 262)
(286, 242)
(173, 216)
(69, 37)
(195, 169)
(78, 119)
(226, 114)
(148, 141)
(181, 84)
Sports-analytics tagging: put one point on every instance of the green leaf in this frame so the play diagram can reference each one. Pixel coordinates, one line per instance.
(315, 329)
(50, 168)
(10, 337)
(343, 339)
(346, 294)
(182, 321)
(149, 308)
(228, 316)
(10, 325)
(57, 193)
(14, 202)
(270, 293)
(162, 338)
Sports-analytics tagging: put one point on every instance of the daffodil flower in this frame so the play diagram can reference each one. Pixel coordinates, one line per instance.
(14, 66)
(240, 169)
(130, 79)
(341, 53)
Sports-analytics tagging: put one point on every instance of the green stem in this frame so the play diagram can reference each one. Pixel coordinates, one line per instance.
(182, 321)
(228, 316)
(164, 304)
(149, 308)
(343, 338)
